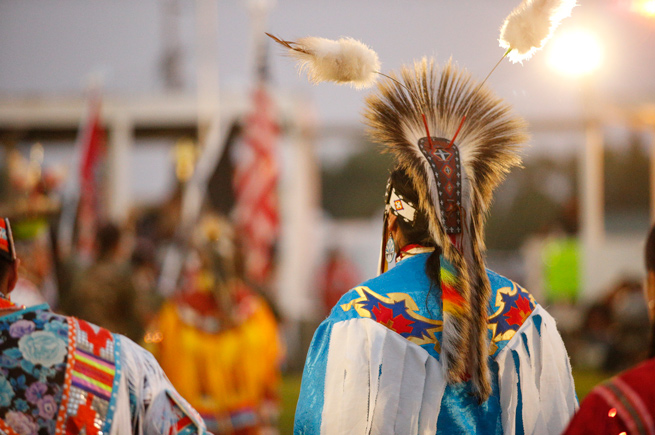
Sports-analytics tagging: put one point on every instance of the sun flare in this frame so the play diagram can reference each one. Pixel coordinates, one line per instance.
(575, 53)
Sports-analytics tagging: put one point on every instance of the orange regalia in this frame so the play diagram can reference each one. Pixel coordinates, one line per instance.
(218, 344)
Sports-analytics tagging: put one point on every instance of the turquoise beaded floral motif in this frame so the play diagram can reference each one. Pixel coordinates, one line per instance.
(33, 353)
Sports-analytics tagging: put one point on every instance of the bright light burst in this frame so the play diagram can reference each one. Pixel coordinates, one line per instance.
(644, 7)
(575, 53)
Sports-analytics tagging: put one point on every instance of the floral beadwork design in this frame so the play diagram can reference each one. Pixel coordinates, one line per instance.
(33, 353)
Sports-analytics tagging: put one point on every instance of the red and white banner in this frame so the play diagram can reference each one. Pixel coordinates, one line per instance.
(255, 185)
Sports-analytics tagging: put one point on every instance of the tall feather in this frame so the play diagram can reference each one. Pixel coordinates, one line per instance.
(488, 144)
(527, 28)
(346, 61)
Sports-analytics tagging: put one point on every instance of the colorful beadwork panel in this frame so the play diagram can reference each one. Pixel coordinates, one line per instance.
(33, 358)
(94, 375)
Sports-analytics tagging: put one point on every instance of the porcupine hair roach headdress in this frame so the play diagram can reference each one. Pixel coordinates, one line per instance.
(454, 180)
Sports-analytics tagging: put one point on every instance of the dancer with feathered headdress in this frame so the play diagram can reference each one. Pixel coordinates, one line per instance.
(438, 343)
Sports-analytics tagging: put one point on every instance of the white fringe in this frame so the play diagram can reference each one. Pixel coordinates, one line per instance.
(548, 399)
(346, 61)
(527, 28)
(377, 382)
(142, 375)
(122, 423)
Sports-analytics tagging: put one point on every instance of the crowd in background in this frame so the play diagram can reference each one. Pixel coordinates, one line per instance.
(215, 335)
(214, 311)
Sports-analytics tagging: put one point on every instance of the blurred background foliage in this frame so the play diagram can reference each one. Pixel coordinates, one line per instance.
(539, 198)
(356, 188)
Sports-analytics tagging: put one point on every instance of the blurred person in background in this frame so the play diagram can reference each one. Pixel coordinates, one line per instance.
(104, 293)
(626, 403)
(629, 325)
(593, 349)
(64, 375)
(31, 237)
(32, 203)
(614, 329)
(217, 340)
(337, 277)
(143, 273)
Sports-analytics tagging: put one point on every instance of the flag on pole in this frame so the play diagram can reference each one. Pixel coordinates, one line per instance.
(92, 149)
(255, 185)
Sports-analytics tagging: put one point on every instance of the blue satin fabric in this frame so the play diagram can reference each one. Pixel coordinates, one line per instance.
(312, 389)
(461, 414)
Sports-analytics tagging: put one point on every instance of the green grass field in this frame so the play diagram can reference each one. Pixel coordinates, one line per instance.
(289, 394)
(585, 380)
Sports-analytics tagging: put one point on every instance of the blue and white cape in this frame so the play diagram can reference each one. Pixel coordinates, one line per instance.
(374, 364)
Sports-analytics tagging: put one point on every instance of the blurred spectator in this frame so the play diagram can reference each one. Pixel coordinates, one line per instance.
(596, 338)
(143, 272)
(104, 293)
(626, 403)
(217, 340)
(31, 237)
(338, 276)
(629, 325)
(614, 329)
(32, 202)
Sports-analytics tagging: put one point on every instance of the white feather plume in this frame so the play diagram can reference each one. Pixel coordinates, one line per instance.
(527, 28)
(346, 61)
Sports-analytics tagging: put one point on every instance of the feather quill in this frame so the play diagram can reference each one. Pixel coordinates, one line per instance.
(528, 27)
(346, 61)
